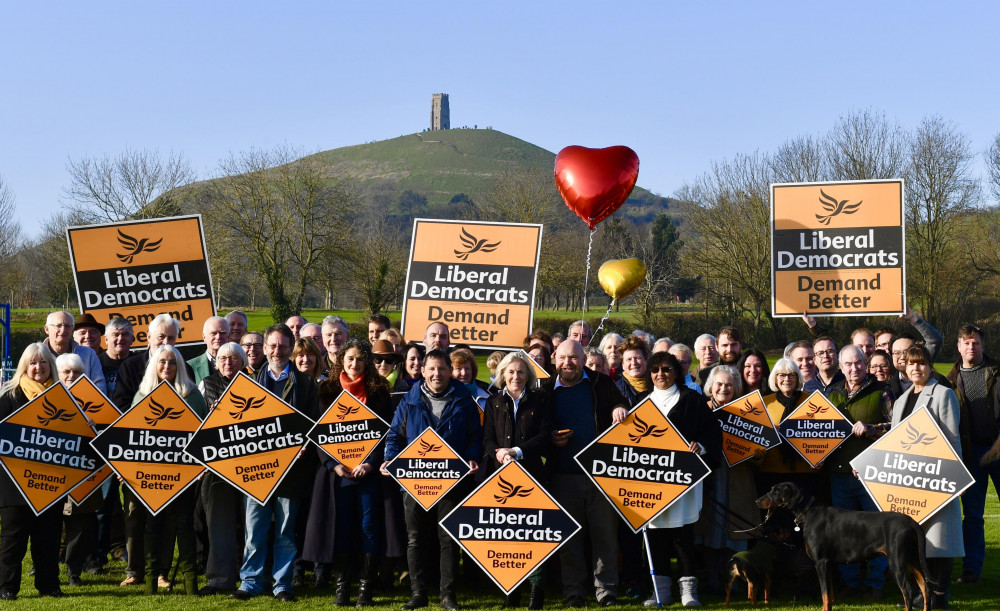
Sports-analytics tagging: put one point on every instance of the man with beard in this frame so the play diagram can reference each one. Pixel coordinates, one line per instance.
(584, 404)
(828, 372)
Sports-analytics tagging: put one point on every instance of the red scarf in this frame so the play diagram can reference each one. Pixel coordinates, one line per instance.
(355, 387)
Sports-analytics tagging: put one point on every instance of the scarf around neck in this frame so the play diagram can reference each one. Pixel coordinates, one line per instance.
(32, 388)
(355, 387)
(640, 384)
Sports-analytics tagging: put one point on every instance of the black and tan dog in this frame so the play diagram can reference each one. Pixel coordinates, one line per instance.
(833, 536)
(776, 559)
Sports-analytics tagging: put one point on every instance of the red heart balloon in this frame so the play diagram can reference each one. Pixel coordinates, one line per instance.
(596, 182)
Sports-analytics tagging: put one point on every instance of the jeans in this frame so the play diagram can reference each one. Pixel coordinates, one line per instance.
(847, 492)
(257, 520)
(360, 504)
(973, 504)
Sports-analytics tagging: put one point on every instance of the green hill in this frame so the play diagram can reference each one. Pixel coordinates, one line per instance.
(440, 165)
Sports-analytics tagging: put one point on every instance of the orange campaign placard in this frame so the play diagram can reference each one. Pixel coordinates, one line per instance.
(838, 248)
(44, 447)
(145, 447)
(478, 278)
(102, 412)
(139, 269)
(642, 465)
(815, 429)
(251, 438)
(348, 431)
(746, 428)
(540, 372)
(510, 525)
(428, 468)
(913, 469)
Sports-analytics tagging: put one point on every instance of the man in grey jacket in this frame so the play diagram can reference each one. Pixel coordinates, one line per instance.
(59, 329)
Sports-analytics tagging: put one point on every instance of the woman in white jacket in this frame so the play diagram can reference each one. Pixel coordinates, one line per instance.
(944, 529)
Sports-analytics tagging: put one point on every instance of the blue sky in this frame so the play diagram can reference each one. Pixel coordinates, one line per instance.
(681, 83)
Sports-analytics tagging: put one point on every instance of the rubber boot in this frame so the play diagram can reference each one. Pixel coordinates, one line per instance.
(689, 591)
(537, 599)
(369, 580)
(662, 586)
(941, 568)
(342, 597)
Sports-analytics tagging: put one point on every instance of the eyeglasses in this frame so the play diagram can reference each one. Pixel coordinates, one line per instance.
(785, 376)
(660, 370)
(252, 345)
(825, 353)
(874, 366)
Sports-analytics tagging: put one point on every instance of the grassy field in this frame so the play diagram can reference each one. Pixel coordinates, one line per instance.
(103, 591)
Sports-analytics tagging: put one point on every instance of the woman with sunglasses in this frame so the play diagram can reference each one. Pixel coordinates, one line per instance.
(671, 533)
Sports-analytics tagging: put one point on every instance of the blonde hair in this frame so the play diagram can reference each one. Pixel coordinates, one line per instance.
(530, 378)
(182, 383)
(32, 351)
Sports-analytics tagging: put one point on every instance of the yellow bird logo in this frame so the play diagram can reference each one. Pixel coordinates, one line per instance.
(242, 405)
(344, 411)
(913, 438)
(135, 246)
(473, 245)
(644, 430)
(161, 413)
(510, 491)
(834, 207)
(427, 447)
(53, 413)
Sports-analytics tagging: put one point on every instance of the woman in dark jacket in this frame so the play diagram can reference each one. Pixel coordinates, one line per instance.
(18, 522)
(633, 375)
(347, 510)
(517, 425)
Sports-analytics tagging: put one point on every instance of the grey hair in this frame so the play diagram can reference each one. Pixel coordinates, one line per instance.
(117, 323)
(607, 338)
(646, 337)
(578, 323)
(728, 370)
(708, 336)
(240, 313)
(232, 348)
(334, 320)
(162, 320)
(70, 359)
(784, 365)
(681, 348)
(212, 319)
(861, 354)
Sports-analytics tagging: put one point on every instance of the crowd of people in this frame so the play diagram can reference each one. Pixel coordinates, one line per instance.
(356, 525)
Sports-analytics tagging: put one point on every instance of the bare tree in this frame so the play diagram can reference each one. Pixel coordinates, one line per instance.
(993, 166)
(522, 196)
(374, 260)
(10, 229)
(864, 146)
(800, 159)
(940, 189)
(136, 184)
(284, 214)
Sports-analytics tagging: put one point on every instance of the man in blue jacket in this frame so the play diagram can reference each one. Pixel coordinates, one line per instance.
(444, 405)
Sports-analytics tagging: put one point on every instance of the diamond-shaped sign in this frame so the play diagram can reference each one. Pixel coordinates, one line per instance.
(913, 469)
(540, 372)
(251, 438)
(642, 465)
(44, 446)
(509, 525)
(102, 412)
(145, 447)
(348, 431)
(746, 428)
(815, 428)
(428, 468)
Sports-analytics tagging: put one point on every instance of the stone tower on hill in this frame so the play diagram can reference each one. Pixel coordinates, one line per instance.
(440, 115)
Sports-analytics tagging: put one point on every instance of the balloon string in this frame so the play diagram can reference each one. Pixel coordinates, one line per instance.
(586, 275)
(606, 316)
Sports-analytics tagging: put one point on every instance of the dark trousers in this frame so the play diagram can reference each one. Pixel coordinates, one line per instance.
(360, 504)
(18, 524)
(667, 543)
(81, 539)
(223, 506)
(420, 527)
(135, 533)
(175, 522)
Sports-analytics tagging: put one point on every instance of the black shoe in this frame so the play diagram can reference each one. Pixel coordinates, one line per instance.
(285, 596)
(321, 581)
(417, 601)
(448, 602)
(8, 596)
(56, 593)
(342, 598)
(608, 601)
(537, 599)
(241, 595)
(366, 593)
(574, 602)
(513, 600)
(298, 581)
(94, 568)
(74, 580)
(916, 602)
(968, 577)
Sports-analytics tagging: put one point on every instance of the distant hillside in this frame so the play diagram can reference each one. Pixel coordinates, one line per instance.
(440, 165)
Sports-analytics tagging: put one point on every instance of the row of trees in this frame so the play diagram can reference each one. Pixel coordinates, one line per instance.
(284, 230)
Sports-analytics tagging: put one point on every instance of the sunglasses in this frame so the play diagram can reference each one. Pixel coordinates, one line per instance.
(378, 360)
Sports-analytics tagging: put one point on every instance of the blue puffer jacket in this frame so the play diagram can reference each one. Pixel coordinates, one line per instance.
(459, 424)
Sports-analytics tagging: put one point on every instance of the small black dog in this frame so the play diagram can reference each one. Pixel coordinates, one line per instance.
(833, 536)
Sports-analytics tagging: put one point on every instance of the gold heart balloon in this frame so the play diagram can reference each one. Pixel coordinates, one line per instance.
(619, 277)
